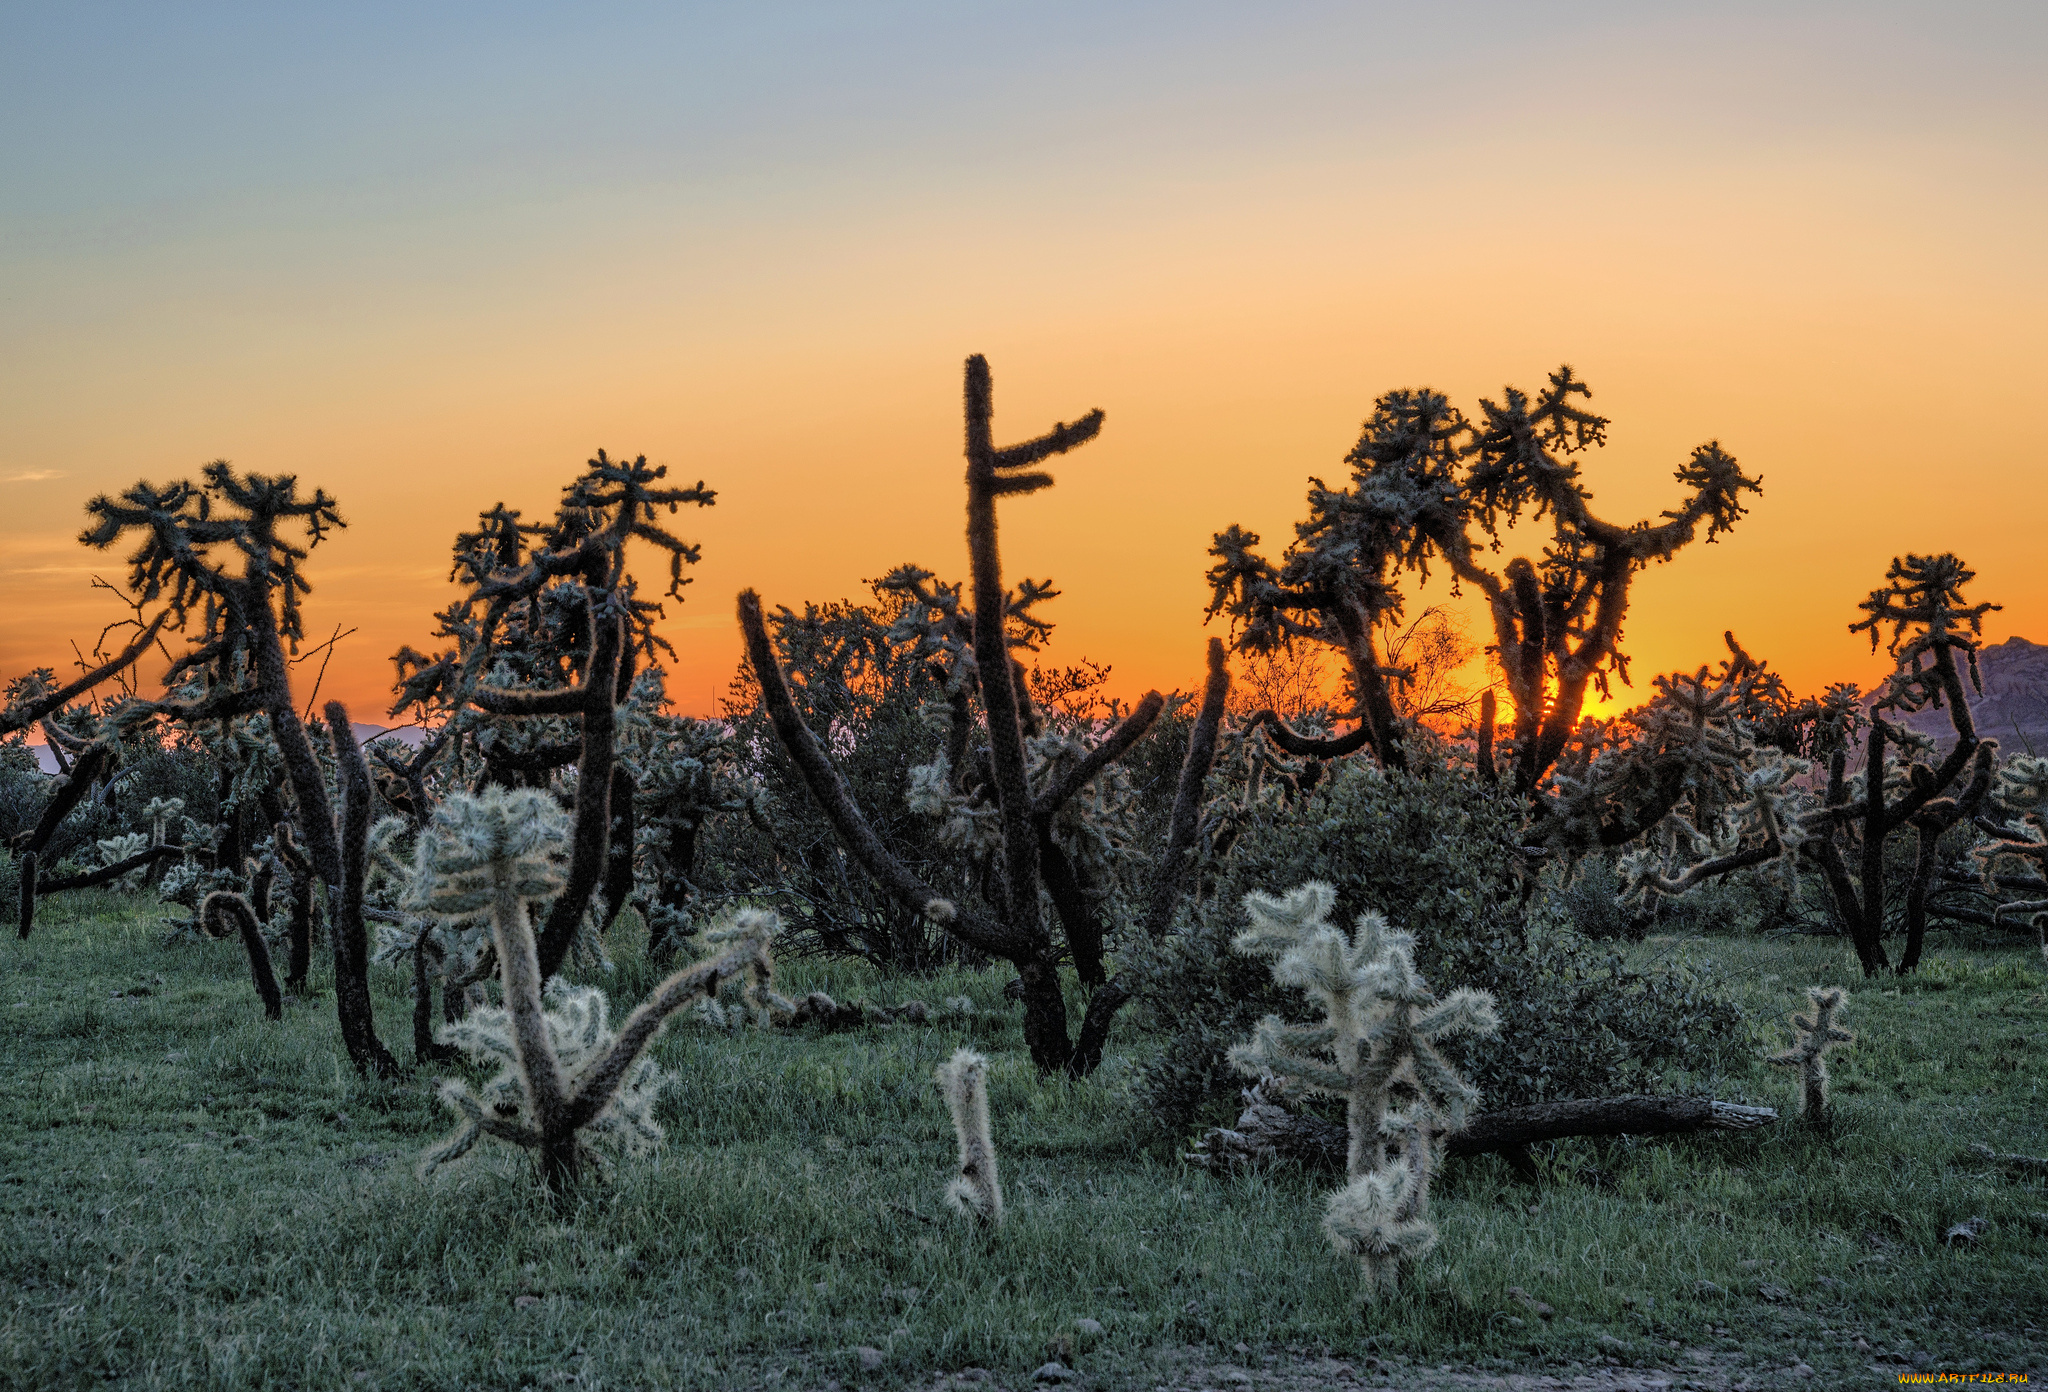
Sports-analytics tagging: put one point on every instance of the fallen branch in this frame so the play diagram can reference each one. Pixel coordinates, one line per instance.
(1267, 1131)
(2019, 1164)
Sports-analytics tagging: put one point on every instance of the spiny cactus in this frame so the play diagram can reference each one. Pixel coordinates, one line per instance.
(1817, 1034)
(1427, 483)
(1380, 1219)
(1377, 1042)
(567, 1078)
(976, 1191)
(975, 656)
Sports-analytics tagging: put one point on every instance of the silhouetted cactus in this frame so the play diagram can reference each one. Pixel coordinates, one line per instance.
(972, 653)
(977, 1189)
(1376, 1049)
(1703, 777)
(567, 1079)
(547, 638)
(1557, 623)
(1817, 1034)
(221, 551)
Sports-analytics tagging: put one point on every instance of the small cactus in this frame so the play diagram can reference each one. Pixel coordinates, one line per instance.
(1380, 1219)
(566, 1078)
(977, 1190)
(1817, 1034)
(1378, 1037)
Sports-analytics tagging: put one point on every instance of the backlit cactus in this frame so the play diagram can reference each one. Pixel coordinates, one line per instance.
(1817, 1034)
(1376, 1048)
(567, 1080)
(976, 1190)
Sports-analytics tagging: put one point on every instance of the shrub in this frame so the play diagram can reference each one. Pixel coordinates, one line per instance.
(1437, 854)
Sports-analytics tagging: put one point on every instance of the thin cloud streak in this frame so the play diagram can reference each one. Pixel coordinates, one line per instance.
(34, 476)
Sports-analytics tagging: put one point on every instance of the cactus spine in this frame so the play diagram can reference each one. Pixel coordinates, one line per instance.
(1817, 1034)
(1376, 1045)
(977, 1190)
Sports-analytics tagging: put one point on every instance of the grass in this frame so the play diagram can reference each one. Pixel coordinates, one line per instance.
(192, 1197)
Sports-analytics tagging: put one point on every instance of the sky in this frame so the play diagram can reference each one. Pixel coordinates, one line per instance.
(432, 258)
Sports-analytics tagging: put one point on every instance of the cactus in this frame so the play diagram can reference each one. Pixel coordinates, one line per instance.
(1557, 622)
(218, 554)
(977, 1190)
(567, 1079)
(972, 654)
(1376, 1042)
(548, 637)
(1817, 1034)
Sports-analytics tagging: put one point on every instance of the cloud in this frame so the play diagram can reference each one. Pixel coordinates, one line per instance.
(33, 476)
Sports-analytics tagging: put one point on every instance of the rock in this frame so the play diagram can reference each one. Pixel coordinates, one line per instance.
(1608, 1341)
(1802, 1369)
(1966, 1233)
(1088, 1328)
(1053, 1372)
(870, 1358)
(1240, 1349)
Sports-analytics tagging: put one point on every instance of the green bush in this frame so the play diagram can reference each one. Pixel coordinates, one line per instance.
(1437, 854)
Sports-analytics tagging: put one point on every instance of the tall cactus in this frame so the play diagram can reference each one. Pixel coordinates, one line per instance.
(1376, 1049)
(567, 1078)
(979, 649)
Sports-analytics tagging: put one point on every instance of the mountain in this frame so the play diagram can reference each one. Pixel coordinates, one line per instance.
(2014, 707)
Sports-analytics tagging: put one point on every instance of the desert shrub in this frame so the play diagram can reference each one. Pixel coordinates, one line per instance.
(1437, 854)
(846, 677)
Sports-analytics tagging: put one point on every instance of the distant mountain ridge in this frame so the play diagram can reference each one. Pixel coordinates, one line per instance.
(2014, 707)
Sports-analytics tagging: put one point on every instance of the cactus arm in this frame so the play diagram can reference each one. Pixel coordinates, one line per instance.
(1170, 879)
(1112, 747)
(591, 835)
(222, 913)
(832, 796)
(1310, 746)
(601, 1082)
(345, 902)
(24, 714)
(519, 971)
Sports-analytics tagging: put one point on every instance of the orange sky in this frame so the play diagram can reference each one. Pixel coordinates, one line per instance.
(1812, 235)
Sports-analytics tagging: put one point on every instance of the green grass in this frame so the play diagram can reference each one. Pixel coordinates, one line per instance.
(190, 1196)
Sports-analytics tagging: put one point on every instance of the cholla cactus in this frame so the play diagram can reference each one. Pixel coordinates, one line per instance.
(1380, 1219)
(115, 849)
(1817, 1033)
(567, 1078)
(976, 1190)
(1377, 1040)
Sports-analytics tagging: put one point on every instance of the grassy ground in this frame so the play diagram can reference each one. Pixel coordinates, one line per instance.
(190, 1196)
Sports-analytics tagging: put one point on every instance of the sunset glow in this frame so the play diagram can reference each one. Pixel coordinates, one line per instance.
(434, 264)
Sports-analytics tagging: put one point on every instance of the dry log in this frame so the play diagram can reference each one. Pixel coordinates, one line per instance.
(1266, 1130)
(2017, 1164)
